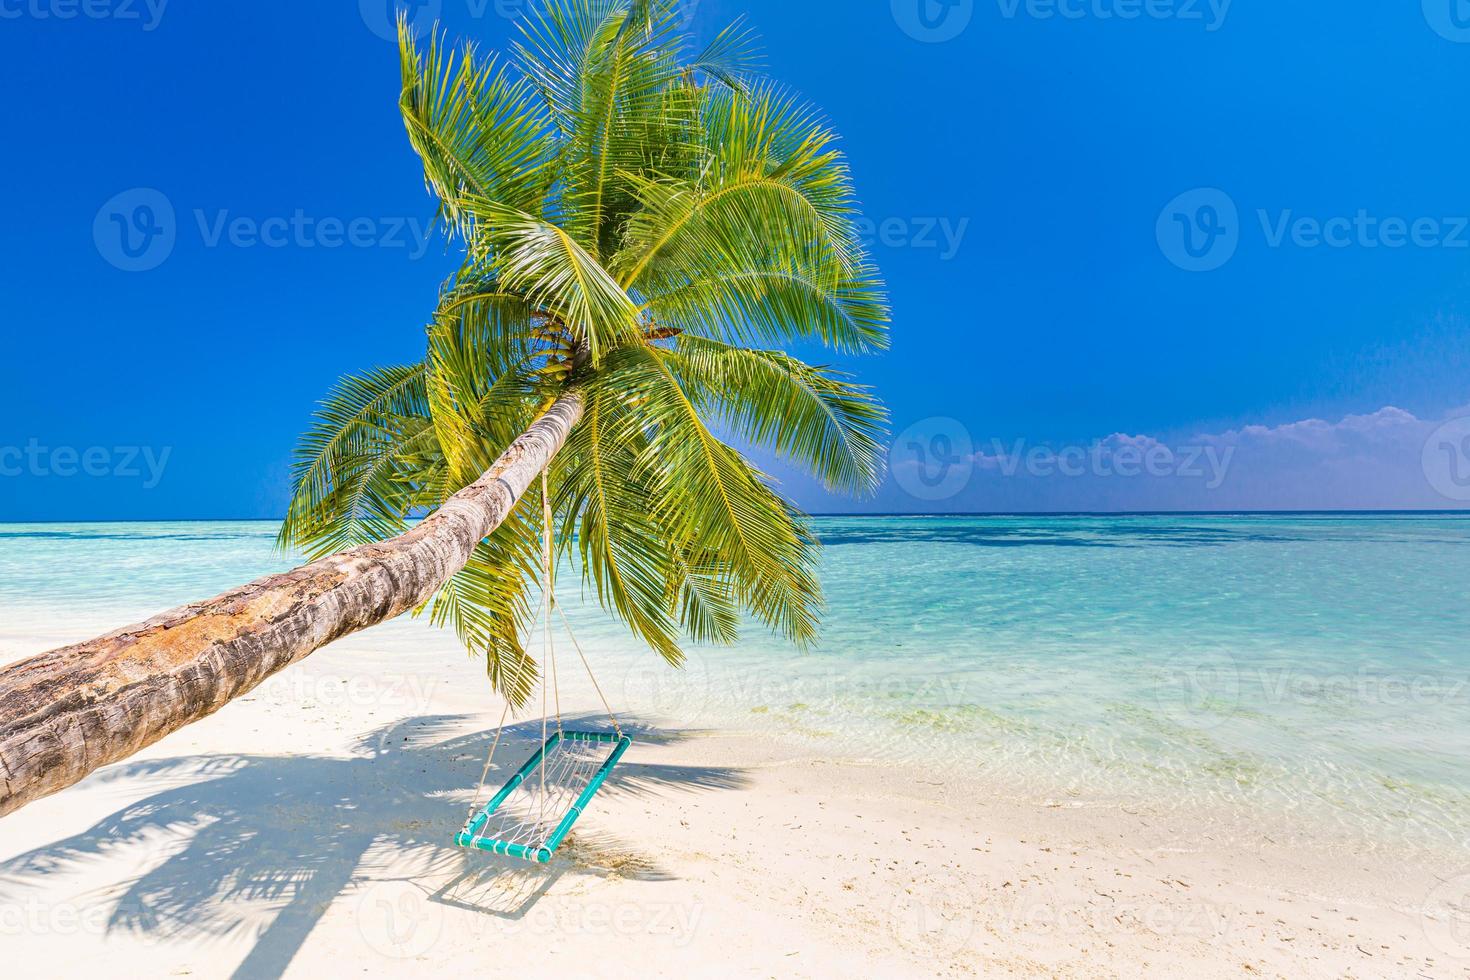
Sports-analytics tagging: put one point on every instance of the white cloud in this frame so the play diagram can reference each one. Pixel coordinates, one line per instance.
(1387, 426)
(1375, 460)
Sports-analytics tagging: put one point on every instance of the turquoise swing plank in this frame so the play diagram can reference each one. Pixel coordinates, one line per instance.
(470, 836)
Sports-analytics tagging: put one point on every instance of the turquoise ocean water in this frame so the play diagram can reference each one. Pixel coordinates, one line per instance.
(1313, 668)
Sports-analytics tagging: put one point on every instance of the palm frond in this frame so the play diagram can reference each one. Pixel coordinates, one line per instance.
(543, 263)
(623, 550)
(351, 478)
(732, 58)
(769, 167)
(488, 603)
(811, 415)
(713, 502)
(767, 298)
(657, 230)
(477, 128)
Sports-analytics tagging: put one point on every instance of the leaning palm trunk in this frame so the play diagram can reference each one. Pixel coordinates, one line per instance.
(67, 712)
(646, 230)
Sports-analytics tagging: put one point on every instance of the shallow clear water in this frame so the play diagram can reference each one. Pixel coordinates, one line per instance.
(1309, 666)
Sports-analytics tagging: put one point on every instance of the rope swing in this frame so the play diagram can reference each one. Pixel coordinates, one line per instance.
(530, 816)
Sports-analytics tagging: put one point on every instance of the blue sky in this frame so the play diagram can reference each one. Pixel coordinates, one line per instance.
(1143, 254)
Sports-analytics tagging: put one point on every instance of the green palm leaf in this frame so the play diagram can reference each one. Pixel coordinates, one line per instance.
(812, 415)
(656, 231)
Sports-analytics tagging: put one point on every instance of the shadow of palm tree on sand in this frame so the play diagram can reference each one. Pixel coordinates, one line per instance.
(234, 826)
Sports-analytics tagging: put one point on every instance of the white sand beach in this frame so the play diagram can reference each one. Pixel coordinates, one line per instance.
(304, 831)
(1041, 434)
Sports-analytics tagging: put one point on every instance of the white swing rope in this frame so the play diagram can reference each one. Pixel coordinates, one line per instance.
(548, 592)
(590, 676)
(573, 766)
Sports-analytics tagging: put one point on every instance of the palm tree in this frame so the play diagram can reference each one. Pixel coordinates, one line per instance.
(646, 237)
